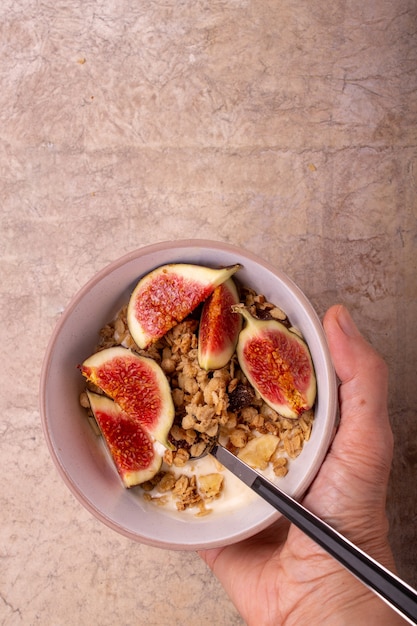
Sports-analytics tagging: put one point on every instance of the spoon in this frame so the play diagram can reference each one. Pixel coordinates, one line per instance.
(395, 592)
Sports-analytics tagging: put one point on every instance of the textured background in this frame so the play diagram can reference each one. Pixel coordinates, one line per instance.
(284, 126)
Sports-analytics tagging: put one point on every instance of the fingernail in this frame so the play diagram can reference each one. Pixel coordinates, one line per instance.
(346, 323)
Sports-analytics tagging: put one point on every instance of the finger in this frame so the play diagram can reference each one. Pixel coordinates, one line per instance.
(364, 432)
(361, 370)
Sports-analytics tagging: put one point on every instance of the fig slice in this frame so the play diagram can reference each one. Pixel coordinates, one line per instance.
(131, 448)
(137, 384)
(277, 363)
(165, 297)
(219, 327)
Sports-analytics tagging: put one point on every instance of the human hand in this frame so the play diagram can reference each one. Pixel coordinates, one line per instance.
(280, 576)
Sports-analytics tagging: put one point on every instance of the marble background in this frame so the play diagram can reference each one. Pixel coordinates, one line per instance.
(284, 126)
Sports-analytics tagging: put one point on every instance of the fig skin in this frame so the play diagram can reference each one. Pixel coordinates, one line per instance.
(167, 295)
(277, 363)
(219, 327)
(137, 384)
(131, 448)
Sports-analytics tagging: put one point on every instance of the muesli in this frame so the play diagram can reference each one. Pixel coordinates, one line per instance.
(209, 404)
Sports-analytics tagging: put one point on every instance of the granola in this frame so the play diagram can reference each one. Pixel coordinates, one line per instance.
(208, 405)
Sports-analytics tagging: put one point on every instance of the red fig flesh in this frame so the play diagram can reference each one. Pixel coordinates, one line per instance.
(277, 363)
(165, 297)
(137, 384)
(131, 448)
(219, 327)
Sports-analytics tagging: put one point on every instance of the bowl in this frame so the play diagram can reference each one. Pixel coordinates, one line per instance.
(82, 460)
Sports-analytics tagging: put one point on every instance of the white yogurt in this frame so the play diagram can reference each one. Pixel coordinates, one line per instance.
(234, 494)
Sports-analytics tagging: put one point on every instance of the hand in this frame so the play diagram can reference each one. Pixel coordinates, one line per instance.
(280, 576)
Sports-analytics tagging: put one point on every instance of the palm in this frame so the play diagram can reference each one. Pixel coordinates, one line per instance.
(281, 576)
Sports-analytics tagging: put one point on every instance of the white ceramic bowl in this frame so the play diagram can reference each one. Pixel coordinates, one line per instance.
(83, 462)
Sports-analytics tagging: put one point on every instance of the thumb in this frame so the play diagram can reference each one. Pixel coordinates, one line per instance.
(364, 439)
(352, 482)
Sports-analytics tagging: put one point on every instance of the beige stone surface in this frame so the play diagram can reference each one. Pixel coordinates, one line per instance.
(287, 127)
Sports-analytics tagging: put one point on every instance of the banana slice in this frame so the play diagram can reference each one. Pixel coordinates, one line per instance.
(210, 485)
(258, 451)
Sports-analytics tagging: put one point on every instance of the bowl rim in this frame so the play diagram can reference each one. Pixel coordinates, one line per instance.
(97, 278)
